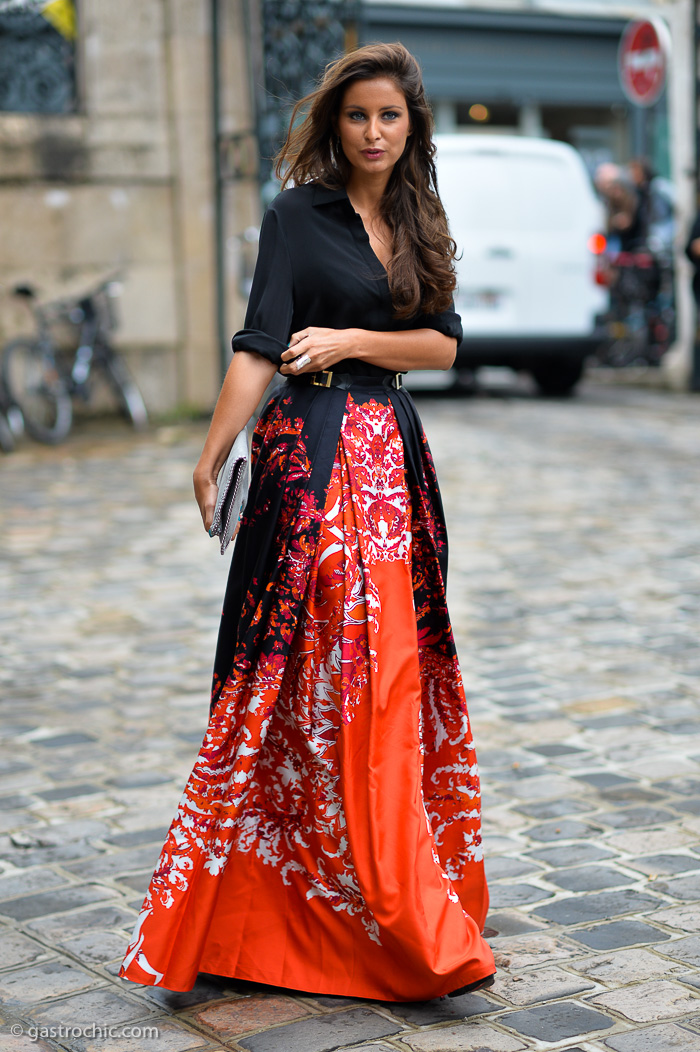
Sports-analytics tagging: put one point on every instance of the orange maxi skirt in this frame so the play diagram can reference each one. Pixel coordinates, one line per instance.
(328, 839)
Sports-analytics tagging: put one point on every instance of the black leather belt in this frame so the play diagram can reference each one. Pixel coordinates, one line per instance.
(329, 378)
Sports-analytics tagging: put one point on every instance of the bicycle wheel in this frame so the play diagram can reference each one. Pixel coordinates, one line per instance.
(7, 439)
(34, 385)
(124, 386)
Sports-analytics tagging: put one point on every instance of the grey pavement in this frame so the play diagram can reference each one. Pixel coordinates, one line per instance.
(575, 597)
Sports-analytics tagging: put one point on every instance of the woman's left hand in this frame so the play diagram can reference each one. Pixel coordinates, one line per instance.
(313, 349)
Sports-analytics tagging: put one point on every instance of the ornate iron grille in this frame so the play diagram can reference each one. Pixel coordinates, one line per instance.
(299, 39)
(37, 56)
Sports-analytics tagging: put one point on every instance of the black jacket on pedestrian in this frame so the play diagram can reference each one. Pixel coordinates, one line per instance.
(694, 259)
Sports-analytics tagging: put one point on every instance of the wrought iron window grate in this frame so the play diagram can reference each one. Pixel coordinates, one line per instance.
(37, 56)
(300, 37)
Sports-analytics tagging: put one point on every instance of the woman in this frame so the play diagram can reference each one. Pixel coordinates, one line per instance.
(328, 838)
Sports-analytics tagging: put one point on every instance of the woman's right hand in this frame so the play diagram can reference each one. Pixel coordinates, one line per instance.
(205, 492)
(244, 385)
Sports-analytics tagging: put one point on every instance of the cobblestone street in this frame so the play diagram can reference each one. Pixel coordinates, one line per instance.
(575, 596)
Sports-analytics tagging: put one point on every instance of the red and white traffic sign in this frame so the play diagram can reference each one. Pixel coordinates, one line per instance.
(642, 60)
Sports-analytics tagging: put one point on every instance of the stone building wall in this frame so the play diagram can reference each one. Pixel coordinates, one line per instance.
(128, 183)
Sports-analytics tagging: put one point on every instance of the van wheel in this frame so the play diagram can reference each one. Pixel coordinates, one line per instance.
(557, 378)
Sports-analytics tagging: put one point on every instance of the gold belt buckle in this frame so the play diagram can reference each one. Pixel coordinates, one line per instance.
(327, 374)
(398, 381)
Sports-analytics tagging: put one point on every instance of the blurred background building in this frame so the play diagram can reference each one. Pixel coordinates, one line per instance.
(544, 70)
(107, 160)
(137, 136)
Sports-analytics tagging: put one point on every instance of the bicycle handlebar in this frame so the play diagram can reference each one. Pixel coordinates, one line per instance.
(27, 291)
(65, 305)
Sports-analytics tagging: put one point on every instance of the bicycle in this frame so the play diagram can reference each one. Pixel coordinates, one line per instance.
(42, 379)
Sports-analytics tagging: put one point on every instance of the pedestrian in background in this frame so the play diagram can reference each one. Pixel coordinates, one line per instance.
(656, 206)
(692, 251)
(328, 838)
(622, 203)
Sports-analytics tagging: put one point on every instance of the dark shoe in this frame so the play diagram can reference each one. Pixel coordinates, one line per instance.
(480, 984)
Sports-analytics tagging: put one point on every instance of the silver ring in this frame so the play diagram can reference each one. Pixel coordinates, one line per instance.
(304, 359)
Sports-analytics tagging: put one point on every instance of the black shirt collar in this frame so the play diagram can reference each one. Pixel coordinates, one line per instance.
(324, 195)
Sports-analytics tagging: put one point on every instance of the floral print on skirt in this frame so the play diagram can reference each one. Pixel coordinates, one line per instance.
(328, 838)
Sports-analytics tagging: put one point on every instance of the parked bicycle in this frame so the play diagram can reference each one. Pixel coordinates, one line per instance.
(42, 378)
(641, 320)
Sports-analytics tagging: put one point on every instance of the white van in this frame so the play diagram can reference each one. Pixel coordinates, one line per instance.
(528, 226)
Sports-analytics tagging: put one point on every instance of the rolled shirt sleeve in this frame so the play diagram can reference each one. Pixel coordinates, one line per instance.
(448, 322)
(268, 318)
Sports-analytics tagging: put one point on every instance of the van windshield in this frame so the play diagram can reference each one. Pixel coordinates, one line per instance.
(497, 192)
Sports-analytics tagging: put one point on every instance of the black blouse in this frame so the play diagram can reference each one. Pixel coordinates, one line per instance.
(316, 266)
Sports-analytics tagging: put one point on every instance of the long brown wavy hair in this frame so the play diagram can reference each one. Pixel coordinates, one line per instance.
(421, 271)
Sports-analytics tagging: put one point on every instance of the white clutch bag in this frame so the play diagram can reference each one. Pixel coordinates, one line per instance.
(234, 479)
